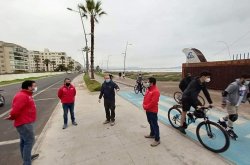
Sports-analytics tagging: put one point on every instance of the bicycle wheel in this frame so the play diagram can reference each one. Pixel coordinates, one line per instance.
(143, 91)
(136, 89)
(2, 101)
(201, 100)
(174, 117)
(212, 136)
(177, 97)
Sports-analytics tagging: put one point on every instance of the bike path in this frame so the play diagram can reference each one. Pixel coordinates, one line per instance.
(238, 151)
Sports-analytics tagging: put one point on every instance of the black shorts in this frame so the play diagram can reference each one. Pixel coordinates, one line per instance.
(187, 104)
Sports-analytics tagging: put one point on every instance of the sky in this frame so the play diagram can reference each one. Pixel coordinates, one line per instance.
(157, 30)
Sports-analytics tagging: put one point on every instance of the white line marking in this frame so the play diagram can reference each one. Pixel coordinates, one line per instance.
(11, 141)
(3, 114)
(248, 136)
(45, 99)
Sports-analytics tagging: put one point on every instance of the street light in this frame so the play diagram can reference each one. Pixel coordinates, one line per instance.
(227, 48)
(86, 49)
(108, 62)
(125, 54)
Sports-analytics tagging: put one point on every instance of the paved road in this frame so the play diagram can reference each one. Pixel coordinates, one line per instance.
(46, 100)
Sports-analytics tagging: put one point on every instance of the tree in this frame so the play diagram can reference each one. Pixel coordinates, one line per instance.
(93, 10)
(70, 65)
(47, 62)
(61, 67)
(37, 60)
(78, 68)
(53, 64)
(62, 58)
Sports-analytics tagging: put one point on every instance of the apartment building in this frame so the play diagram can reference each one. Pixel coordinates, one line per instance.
(13, 58)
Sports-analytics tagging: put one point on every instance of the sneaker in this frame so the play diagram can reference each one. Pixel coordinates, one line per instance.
(222, 123)
(182, 130)
(155, 143)
(149, 136)
(34, 157)
(185, 125)
(64, 126)
(106, 122)
(191, 117)
(112, 123)
(232, 133)
(74, 123)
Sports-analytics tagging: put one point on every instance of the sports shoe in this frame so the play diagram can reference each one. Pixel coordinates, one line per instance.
(191, 117)
(64, 126)
(232, 133)
(149, 136)
(35, 156)
(222, 122)
(155, 143)
(106, 122)
(112, 123)
(185, 125)
(74, 123)
(182, 130)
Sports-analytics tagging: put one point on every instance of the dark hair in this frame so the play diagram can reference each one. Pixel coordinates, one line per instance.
(152, 80)
(66, 79)
(205, 73)
(244, 76)
(27, 83)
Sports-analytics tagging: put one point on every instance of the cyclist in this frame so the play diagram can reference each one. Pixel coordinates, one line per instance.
(232, 97)
(139, 81)
(185, 81)
(190, 96)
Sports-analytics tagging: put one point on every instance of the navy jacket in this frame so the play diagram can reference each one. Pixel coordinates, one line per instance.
(108, 91)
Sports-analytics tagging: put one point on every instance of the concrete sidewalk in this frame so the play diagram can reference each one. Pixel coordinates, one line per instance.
(91, 142)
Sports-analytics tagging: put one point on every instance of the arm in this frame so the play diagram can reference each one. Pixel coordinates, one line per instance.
(59, 93)
(227, 91)
(116, 86)
(181, 85)
(101, 92)
(17, 106)
(74, 91)
(153, 101)
(207, 95)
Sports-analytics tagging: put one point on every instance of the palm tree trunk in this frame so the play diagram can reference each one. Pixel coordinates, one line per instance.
(47, 67)
(92, 46)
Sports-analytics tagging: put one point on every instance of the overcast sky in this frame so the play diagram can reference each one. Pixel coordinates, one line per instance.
(157, 29)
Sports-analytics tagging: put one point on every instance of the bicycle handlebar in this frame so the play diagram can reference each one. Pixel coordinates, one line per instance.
(204, 107)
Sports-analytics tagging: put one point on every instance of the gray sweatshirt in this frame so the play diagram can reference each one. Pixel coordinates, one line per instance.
(233, 91)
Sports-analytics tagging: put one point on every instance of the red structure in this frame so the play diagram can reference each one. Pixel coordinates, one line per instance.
(223, 72)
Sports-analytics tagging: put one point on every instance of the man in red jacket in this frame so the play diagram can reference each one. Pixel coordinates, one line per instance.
(67, 95)
(150, 104)
(23, 113)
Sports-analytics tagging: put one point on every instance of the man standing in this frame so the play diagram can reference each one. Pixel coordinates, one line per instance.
(108, 92)
(23, 113)
(231, 97)
(67, 95)
(190, 96)
(150, 105)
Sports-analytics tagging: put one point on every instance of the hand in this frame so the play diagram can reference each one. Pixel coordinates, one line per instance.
(118, 89)
(99, 101)
(7, 118)
(223, 106)
(210, 106)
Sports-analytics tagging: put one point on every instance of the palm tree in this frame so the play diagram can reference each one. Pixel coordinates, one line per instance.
(71, 65)
(37, 60)
(53, 64)
(94, 10)
(46, 62)
(62, 58)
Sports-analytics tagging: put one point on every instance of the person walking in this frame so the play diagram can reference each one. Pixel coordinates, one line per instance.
(150, 105)
(108, 93)
(230, 101)
(23, 112)
(67, 95)
(123, 75)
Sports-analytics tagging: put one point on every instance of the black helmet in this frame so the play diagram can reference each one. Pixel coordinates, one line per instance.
(199, 114)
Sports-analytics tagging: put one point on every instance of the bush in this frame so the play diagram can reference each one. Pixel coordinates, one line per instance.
(92, 85)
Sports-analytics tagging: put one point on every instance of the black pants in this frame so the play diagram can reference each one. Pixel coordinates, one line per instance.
(153, 122)
(109, 108)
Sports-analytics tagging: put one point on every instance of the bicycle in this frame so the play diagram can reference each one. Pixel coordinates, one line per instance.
(178, 97)
(210, 134)
(2, 99)
(141, 89)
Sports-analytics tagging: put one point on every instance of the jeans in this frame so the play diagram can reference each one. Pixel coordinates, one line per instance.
(109, 107)
(27, 140)
(153, 122)
(68, 107)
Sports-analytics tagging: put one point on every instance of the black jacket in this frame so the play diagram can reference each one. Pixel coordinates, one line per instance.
(193, 89)
(108, 91)
(184, 83)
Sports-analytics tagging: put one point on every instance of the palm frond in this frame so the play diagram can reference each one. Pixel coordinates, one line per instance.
(102, 13)
(97, 6)
(83, 8)
(96, 20)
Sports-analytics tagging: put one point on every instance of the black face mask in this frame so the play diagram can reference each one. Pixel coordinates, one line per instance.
(67, 84)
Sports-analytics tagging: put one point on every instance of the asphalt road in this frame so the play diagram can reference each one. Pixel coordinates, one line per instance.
(46, 100)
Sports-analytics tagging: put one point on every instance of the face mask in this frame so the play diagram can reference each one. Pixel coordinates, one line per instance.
(147, 85)
(246, 83)
(107, 80)
(34, 90)
(207, 80)
(67, 84)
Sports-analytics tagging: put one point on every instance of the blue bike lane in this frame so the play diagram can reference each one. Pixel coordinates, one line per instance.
(238, 151)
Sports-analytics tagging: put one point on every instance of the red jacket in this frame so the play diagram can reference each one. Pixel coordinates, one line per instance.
(151, 99)
(67, 94)
(23, 108)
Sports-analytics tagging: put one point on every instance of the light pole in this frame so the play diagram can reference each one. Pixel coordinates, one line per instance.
(125, 55)
(86, 49)
(108, 62)
(227, 48)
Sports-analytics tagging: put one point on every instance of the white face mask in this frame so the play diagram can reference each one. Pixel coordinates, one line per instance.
(147, 85)
(207, 80)
(246, 83)
(34, 90)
